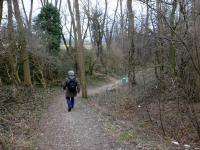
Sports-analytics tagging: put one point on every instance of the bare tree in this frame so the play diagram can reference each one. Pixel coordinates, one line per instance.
(196, 38)
(160, 42)
(131, 46)
(173, 24)
(98, 21)
(56, 3)
(73, 23)
(80, 51)
(28, 19)
(11, 48)
(1, 10)
(44, 2)
(109, 32)
(122, 24)
(23, 44)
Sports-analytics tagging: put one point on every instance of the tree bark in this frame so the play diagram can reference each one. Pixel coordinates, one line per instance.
(131, 45)
(101, 34)
(160, 43)
(172, 44)
(1, 10)
(196, 39)
(147, 17)
(122, 26)
(109, 34)
(11, 49)
(23, 44)
(80, 50)
(60, 5)
(75, 35)
(30, 16)
(65, 42)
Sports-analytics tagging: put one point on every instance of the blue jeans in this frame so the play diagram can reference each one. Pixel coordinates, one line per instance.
(70, 102)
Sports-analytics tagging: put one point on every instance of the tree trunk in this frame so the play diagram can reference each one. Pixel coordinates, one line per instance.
(23, 44)
(160, 42)
(147, 17)
(172, 45)
(109, 33)
(65, 42)
(131, 46)
(1, 10)
(122, 26)
(100, 34)
(30, 16)
(11, 49)
(75, 35)
(196, 39)
(80, 50)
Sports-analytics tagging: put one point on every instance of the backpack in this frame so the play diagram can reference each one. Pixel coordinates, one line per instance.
(72, 84)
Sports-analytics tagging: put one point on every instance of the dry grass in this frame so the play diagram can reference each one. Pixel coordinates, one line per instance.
(152, 107)
(21, 110)
(167, 105)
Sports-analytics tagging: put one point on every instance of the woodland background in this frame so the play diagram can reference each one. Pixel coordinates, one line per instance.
(163, 42)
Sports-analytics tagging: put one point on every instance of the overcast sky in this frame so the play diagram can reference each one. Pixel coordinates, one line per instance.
(138, 8)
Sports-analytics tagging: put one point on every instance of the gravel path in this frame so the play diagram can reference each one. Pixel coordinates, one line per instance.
(79, 129)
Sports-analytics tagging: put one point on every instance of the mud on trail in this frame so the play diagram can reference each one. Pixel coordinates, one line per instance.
(80, 129)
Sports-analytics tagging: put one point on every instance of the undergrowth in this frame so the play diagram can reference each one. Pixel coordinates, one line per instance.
(162, 108)
(21, 110)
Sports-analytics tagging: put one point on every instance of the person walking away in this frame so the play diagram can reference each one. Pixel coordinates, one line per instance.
(71, 87)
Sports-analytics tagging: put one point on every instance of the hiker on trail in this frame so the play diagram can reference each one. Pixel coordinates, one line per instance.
(72, 87)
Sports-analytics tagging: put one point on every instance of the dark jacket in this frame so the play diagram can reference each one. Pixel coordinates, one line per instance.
(68, 93)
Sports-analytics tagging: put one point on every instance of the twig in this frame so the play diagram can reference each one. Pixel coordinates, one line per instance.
(9, 122)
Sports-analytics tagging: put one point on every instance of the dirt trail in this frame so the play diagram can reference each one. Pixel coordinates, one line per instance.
(84, 128)
(78, 130)
(95, 90)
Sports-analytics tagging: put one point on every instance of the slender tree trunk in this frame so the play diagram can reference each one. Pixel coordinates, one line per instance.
(41, 1)
(145, 37)
(1, 10)
(101, 34)
(147, 18)
(80, 50)
(70, 37)
(65, 42)
(109, 34)
(12, 51)
(160, 43)
(131, 46)
(56, 3)
(60, 5)
(75, 36)
(196, 39)
(122, 25)
(172, 44)
(23, 44)
(30, 16)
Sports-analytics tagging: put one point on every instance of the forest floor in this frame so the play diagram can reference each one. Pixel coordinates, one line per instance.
(92, 127)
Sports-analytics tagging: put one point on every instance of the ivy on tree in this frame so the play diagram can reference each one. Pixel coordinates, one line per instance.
(48, 25)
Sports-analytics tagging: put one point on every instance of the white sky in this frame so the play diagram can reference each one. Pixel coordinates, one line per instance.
(138, 8)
